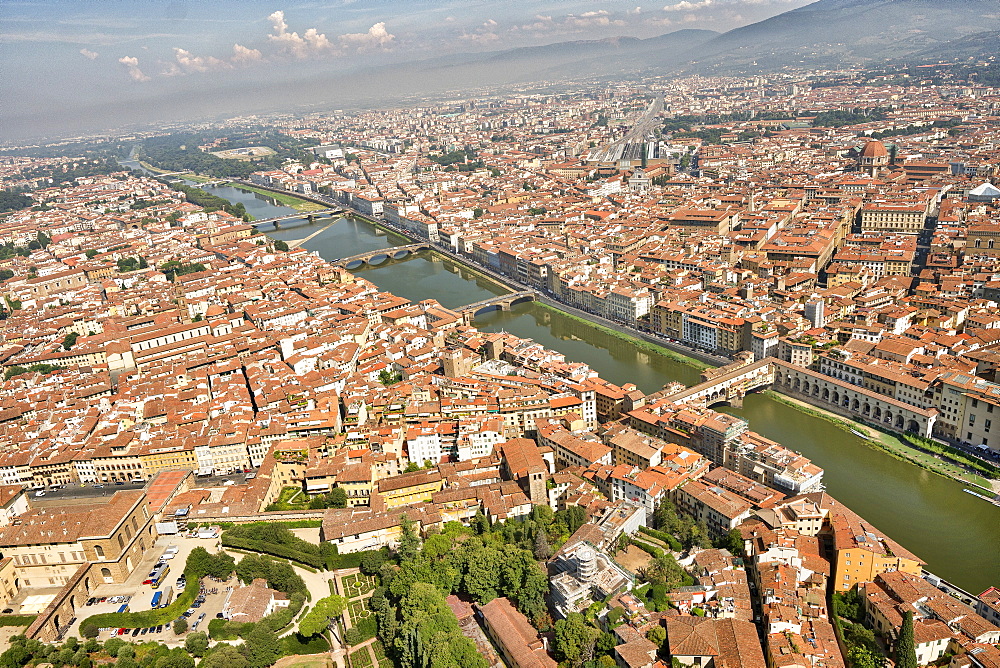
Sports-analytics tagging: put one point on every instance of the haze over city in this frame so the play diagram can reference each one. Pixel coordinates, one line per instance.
(71, 66)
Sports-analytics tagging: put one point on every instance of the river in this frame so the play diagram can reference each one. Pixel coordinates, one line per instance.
(956, 533)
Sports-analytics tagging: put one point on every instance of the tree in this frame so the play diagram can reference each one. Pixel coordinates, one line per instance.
(177, 658)
(261, 647)
(224, 656)
(280, 245)
(70, 340)
(409, 543)
(196, 643)
(88, 629)
(337, 498)
(542, 549)
(906, 652)
(91, 254)
(113, 646)
(732, 541)
(861, 657)
(322, 615)
(656, 635)
(180, 626)
(574, 639)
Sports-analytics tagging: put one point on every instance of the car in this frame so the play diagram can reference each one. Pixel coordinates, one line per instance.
(119, 482)
(97, 486)
(135, 632)
(159, 627)
(39, 493)
(143, 632)
(122, 632)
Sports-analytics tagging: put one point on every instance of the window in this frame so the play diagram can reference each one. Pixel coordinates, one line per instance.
(100, 551)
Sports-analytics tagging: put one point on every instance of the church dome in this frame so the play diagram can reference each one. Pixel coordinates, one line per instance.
(874, 149)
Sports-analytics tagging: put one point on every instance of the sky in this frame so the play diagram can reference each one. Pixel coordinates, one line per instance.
(70, 67)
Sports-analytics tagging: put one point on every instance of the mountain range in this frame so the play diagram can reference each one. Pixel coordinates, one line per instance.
(824, 34)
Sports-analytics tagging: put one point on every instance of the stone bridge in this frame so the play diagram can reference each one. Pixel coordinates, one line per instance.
(377, 257)
(500, 303)
(311, 216)
(726, 387)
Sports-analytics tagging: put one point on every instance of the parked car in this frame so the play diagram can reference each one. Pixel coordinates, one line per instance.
(159, 628)
(135, 632)
(39, 493)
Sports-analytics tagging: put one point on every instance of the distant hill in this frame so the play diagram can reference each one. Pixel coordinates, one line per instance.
(851, 31)
(580, 58)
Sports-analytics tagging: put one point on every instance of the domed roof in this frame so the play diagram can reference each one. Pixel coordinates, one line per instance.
(874, 149)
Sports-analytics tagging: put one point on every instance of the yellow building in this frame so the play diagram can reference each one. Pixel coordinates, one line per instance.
(862, 551)
(408, 488)
(169, 458)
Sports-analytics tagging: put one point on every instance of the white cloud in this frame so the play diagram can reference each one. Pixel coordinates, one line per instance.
(186, 63)
(310, 43)
(131, 64)
(190, 63)
(243, 55)
(637, 10)
(377, 37)
(88, 54)
(686, 6)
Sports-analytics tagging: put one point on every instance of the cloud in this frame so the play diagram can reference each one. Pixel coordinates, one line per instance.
(190, 63)
(244, 56)
(310, 43)
(131, 64)
(599, 18)
(685, 6)
(376, 38)
(637, 10)
(88, 54)
(186, 63)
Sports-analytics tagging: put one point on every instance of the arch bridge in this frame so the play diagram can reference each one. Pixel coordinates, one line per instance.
(311, 216)
(499, 303)
(729, 387)
(378, 257)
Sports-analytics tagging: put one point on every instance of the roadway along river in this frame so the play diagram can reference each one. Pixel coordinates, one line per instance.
(956, 533)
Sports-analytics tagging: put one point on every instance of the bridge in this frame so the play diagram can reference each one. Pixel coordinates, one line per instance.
(728, 384)
(500, 303)
(377, 257)
(311, 216)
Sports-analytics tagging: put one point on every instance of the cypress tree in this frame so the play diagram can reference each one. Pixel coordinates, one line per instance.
(906, 651)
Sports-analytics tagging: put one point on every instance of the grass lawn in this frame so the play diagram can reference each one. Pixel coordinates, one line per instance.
(284, 199)
(303, 662)
(292, 498)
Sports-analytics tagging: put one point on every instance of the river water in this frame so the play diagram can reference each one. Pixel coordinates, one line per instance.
(956, 533)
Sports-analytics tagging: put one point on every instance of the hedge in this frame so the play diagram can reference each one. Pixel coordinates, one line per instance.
(353, 559)
(674, 544)
(147, 618)
(272, 549)
(648, 549)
